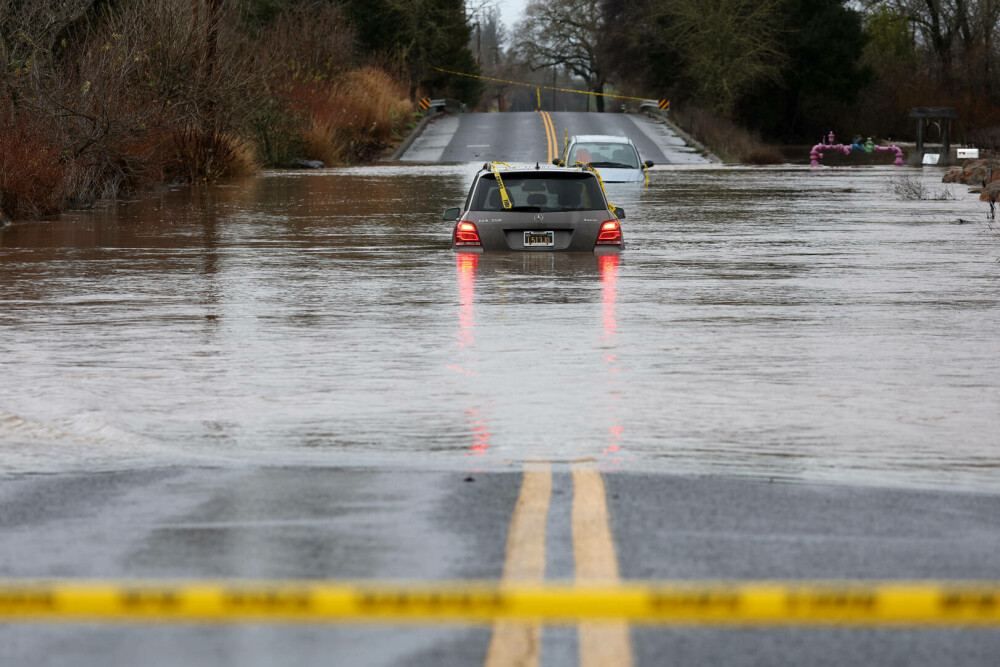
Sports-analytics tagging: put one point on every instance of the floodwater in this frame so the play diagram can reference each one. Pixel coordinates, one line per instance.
(781, 322)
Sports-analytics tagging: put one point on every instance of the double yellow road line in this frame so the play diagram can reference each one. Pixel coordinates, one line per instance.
(597, 601)
(602, 642)
(552, 142)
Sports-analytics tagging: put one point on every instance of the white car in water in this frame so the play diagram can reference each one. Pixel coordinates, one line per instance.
(616, 158)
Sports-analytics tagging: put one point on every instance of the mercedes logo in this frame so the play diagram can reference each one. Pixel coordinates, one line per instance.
(539, 217)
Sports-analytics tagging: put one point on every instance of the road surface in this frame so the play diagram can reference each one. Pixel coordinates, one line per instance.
(297, 379)
(322, 523)
(525, 137)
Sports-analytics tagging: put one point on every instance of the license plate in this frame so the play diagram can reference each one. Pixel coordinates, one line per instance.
(539, 239)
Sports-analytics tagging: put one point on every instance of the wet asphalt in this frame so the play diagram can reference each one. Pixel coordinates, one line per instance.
(276, 521)
(373, 524)
(520, 137)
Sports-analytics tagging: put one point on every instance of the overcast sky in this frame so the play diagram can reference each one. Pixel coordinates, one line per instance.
(511, 11)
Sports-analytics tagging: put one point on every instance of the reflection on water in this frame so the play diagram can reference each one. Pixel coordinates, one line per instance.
(783, 323)
(608, 265)
(465, 264)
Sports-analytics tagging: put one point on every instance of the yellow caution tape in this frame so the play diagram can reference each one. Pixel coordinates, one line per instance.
(495, 168)
(586, 166)
(701, 603)
(535, 85)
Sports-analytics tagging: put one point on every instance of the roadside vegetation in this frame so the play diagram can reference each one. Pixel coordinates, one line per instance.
(101, 99)
(729, 141)
(908, 187)
(745, 74)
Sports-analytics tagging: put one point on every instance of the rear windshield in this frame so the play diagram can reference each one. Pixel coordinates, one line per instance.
(540, 192)
(601, 154)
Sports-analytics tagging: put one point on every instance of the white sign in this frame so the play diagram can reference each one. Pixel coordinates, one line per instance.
(931, 158)
(968, 153)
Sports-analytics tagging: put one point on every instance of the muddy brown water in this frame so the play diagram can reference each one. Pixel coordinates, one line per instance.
(777, 322)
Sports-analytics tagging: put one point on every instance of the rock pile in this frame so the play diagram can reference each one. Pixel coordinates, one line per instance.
(977, 172)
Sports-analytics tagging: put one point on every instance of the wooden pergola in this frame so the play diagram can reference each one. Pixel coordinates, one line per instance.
(925, 117)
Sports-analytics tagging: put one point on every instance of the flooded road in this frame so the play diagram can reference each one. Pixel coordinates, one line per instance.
(761, 322)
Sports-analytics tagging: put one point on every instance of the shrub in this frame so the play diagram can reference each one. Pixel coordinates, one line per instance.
(201, 156)
(100, 100)
(32, 175)
(382, 102)
(909, 188)
(323, 108)
(313, 41)
(278, 130)
(726, 139)
(348, 120)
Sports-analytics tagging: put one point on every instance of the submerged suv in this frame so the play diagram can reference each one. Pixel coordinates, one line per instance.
(540, 209)
(616, 158)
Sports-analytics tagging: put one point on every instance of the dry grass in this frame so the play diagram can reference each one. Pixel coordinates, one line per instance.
(726, 139)
(382, 102)
(324, 142)
(208, 156)
(349, 120)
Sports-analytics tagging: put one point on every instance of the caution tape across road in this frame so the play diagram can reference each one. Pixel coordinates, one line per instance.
(949, 603)
(535, 85)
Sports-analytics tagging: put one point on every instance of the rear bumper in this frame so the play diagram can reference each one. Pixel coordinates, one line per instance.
(598, 250)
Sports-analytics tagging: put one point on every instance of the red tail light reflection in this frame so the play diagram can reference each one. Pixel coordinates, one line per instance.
(480, 433)
(466, 265)
(608, 267)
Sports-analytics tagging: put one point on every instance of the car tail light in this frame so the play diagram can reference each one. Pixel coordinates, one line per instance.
(611, 233)
(466, 234)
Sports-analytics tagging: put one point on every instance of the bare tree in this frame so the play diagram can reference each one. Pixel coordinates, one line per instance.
(29, 30)
(565, 34)
(727, 46)
(959, 33)
(487, 45)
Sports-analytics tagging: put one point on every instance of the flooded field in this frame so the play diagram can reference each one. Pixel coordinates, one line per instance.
(765, 322)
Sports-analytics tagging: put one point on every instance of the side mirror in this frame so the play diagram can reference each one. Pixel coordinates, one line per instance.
(648, 163)
(620, 213)
(557, 162)
(452, 213)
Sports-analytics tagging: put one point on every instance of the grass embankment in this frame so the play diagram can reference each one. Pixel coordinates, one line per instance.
(727, 140)
(165, 91)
